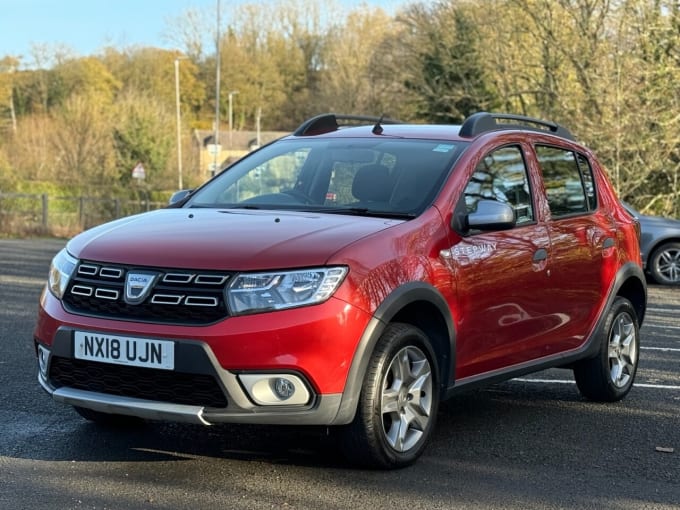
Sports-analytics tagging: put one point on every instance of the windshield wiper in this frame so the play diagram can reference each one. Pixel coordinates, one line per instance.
(244, 206)
(355, 211)
(224, 206)
(365, 211)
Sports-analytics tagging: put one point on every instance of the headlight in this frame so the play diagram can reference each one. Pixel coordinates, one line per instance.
(259, 292)
(60, 271)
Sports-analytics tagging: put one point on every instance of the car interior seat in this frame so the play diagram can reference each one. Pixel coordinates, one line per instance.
(372, 186)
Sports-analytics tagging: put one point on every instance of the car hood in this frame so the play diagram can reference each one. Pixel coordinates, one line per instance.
(224, 239)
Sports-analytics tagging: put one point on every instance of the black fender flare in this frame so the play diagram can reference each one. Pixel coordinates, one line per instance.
(399, 298)
(629, 280)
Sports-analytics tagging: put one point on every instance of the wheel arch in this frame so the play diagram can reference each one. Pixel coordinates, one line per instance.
(631, 284)
(418, 304)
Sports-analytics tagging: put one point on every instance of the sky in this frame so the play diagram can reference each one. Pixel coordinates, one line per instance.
(87, 26)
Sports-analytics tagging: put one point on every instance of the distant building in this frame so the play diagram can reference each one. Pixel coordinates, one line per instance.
(232, 146)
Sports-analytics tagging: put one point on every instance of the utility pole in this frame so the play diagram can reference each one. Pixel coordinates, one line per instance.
(231, 119)
(217, 91)
(179, 124)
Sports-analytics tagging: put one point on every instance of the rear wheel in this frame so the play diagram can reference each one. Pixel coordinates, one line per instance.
(609, 376)
(664, 264)
(398, 403)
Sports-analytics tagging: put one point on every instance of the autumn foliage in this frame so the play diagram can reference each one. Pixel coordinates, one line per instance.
(607, 69)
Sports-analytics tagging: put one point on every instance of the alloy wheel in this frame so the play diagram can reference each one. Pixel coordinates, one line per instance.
(406, 403)
(668, 264)
(622, 350)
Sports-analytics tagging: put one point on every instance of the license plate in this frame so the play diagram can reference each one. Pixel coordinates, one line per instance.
(121, 350)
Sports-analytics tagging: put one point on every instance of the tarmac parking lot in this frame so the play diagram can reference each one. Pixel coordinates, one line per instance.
(532, 442)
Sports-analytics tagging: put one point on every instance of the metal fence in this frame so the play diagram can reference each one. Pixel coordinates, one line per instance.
(42, 214)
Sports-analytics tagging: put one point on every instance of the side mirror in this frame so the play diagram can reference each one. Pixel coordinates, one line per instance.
(491, 215)
(178, 196)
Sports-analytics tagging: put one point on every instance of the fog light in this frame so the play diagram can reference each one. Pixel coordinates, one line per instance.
(275, 389)
(283, 388)
(43, 360)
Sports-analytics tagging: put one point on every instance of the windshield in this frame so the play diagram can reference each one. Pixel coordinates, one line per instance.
(391, 177)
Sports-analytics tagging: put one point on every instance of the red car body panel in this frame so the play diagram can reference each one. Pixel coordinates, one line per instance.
(224, 239)
(288, 340)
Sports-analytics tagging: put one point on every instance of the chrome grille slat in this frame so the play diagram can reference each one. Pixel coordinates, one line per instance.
(178, 278)
(88, 270)
(204, 279)
(107, 294)
(200, 301)
(82, 290)
(110, 272)
(166, 299)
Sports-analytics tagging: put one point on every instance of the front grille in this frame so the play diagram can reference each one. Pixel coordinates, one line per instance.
(176, 297)
(137, 382)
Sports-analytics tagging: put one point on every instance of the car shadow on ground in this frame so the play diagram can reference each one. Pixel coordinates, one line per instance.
(468, 418)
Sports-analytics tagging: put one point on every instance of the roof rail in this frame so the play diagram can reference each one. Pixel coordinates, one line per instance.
(482, 122)
(327, 122)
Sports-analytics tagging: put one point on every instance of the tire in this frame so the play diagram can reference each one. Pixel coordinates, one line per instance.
(398, 402)
(111, 420)
(664, 264)
(609, 376)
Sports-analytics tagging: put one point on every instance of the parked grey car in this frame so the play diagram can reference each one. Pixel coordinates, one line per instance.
(659, 246)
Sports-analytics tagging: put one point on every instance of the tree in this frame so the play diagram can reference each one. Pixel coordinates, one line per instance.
(648, 155)
(86, 77)
(606, 69)
(81, 137)
(188, 32)
(347, 83)
(144, 133)
(150, 71)
(439, 62)
(8, 66)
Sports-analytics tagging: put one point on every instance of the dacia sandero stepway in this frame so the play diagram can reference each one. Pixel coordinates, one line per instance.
(352, 275)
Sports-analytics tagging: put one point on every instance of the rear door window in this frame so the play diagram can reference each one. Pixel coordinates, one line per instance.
(568, 181)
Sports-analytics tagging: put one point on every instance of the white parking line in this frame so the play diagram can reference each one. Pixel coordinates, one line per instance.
(665, 349)
(22, 280)
(661, 326)
(661, 310)
(560, 381)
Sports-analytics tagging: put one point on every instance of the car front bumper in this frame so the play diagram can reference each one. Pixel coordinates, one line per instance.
(312, 346)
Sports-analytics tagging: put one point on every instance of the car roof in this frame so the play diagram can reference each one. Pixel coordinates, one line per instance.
(340, 125)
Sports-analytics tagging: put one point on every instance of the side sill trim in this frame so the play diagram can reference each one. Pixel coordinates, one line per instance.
(529, 367)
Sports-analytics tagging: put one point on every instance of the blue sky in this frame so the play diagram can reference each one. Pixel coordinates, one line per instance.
(86, 26)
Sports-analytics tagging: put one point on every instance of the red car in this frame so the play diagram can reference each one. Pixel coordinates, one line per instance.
(353, 276)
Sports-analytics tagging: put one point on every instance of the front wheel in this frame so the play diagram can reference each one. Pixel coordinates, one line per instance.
(609, 376)
(398, 403)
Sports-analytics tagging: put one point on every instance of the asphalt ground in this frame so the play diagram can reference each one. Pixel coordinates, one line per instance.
(529, 443)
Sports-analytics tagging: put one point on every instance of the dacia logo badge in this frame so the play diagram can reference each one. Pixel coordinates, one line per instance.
(138, 286)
